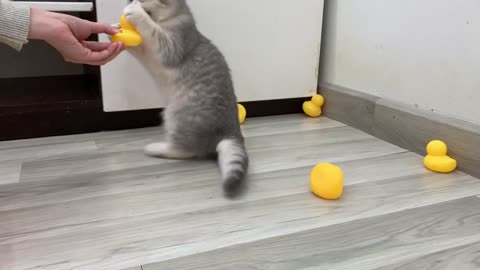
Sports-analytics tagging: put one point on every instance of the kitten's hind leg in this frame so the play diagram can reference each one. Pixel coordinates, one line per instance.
(167, 150)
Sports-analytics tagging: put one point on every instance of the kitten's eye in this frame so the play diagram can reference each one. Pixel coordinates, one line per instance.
(148, 13)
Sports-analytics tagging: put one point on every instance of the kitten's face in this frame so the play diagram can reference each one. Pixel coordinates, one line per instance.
(161, 10)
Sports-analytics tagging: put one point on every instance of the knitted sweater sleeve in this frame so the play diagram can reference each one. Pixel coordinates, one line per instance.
(14, 24)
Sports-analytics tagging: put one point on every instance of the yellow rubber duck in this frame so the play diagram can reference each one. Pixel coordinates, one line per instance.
(313, 108)
(326, 181)
(242, 113)
(437, 159)
(128, 35)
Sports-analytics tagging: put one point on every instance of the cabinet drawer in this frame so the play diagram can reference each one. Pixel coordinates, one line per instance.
(61, 6)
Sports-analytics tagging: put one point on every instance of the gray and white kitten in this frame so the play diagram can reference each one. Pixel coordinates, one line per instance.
(201, 117)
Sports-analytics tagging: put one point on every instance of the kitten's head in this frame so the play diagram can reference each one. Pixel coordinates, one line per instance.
(163, 10)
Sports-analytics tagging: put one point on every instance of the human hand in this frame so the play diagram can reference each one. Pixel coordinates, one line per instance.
(68, 33)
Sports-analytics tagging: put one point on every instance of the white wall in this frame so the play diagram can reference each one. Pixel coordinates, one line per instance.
(422, 52)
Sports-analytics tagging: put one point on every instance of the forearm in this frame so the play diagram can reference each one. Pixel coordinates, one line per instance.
(14, 24)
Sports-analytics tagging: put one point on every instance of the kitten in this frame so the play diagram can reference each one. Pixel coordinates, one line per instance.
(201, 117)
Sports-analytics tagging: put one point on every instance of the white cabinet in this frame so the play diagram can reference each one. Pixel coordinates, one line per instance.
(272, 47)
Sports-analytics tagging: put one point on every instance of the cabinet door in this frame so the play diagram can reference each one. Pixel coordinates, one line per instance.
(272, 47)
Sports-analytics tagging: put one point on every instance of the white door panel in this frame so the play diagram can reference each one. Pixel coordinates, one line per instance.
(272, 47)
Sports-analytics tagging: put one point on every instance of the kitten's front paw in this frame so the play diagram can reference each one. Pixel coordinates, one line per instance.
(134, 13)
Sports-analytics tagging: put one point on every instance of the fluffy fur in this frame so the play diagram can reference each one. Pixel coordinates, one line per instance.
(201, 117)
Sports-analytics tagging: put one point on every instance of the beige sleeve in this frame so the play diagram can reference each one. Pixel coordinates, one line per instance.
(14, 23)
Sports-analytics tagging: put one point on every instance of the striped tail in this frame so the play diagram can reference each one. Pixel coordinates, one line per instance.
(233, 163)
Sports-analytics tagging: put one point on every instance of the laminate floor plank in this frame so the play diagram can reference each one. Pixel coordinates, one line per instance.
(77, 138)
(95, 201)
(10, 172)
(255, 127)
(88, 164)
(286, 124)
(466, 257)
(361, 244)
(163, 194)
(88, 183)
(296, 149)
(116, 243)
(266, 160)
(49, 151)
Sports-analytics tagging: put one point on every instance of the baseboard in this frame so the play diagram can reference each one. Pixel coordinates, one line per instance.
(273, 107)
(56, 118)
(406, 126)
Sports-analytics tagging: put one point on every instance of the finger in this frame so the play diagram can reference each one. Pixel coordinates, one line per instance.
(118, 48)
(100, 28)
(89, 57)
(76, 52)
(94, 56)
(96, 46)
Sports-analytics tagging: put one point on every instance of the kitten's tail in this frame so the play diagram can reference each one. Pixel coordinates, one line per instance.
(233, 163)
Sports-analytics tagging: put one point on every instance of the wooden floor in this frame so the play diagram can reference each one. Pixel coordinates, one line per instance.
(95, 202)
